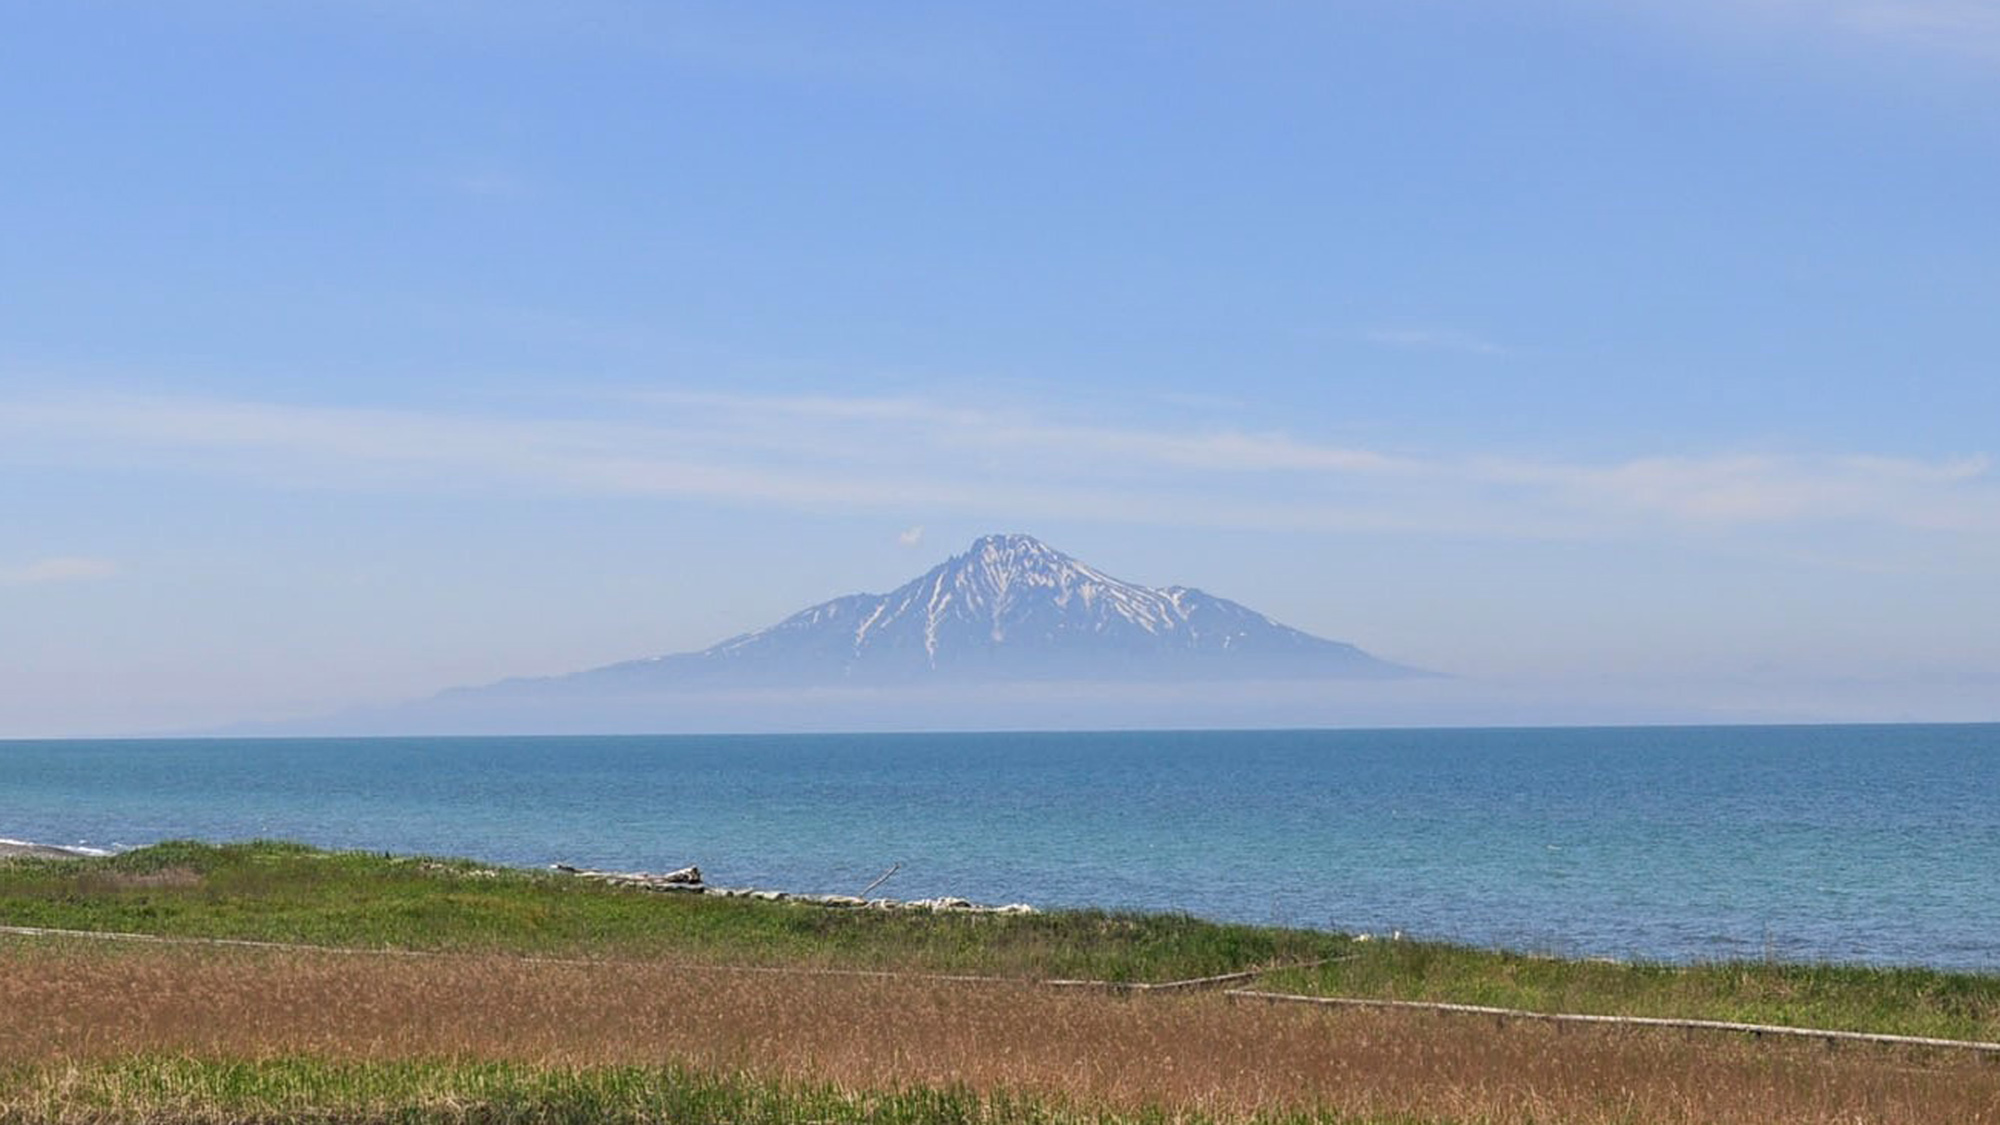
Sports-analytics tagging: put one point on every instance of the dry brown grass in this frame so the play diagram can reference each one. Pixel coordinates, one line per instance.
(97, 882)
(65, 1002)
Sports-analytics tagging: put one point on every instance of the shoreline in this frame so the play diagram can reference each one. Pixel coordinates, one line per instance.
(689, 881)
(437, 957)
(1650, 847)
(12, 848)
(676, 884)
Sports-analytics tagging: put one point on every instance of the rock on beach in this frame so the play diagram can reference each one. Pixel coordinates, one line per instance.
(687, 880)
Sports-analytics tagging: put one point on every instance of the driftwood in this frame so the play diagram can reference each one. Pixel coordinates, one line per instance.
(881, 879)
(688, 881)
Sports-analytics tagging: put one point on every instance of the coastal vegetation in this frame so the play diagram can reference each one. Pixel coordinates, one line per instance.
(1896, 1001)
(290, 893)
(407, 989)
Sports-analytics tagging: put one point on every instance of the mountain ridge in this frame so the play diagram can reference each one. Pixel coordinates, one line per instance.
(1009, 608)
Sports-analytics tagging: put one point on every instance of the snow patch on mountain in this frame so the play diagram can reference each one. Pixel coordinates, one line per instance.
(1012, 608)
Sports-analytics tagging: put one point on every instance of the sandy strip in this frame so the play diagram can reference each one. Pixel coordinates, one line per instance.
(43, 851)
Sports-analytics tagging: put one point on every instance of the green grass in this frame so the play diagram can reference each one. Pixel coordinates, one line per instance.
(291, 893)
(308, 1091)
(282, 892)
(1841, 997)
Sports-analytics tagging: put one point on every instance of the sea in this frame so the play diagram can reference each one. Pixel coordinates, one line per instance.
(1853, 844)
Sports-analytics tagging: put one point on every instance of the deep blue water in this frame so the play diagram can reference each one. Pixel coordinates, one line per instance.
(1878, 844)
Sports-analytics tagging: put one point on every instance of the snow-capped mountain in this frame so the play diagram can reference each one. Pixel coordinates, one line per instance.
(1010, 608)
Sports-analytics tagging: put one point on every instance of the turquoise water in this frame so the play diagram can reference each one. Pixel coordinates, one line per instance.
(1876, 844)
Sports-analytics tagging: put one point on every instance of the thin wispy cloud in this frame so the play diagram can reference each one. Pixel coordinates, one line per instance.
(1962, 27)
(1001, 430)
(1195, 401)
(489, 184)
(66, 568)
(1433, 340)
(1768, 489)
(1954, 24)
(891, 454)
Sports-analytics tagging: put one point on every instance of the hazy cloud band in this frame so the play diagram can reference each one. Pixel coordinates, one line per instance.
(905, 454)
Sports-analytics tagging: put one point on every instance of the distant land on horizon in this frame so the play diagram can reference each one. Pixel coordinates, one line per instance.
(1009, 634)
(1010, 608)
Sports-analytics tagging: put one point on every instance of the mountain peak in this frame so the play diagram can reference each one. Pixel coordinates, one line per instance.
(1014, 551)
(1009, 541)
(1011, 607)
(995, 564)
(1008, 634)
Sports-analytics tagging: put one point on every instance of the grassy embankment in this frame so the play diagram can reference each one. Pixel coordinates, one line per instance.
(290, 893)
(1896, 1001)
(637, 1020)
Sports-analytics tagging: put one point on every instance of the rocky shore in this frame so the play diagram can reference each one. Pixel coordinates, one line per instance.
(42, 851)
(688, 880)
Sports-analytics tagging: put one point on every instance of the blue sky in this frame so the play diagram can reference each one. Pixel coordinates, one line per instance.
(1614, 355)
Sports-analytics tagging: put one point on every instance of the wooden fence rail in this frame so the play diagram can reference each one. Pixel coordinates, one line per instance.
(1756, 1029)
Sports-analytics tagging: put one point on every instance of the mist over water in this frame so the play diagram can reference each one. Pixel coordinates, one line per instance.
(1872, 844)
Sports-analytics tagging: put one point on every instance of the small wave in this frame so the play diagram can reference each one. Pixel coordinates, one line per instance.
(76, 849)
